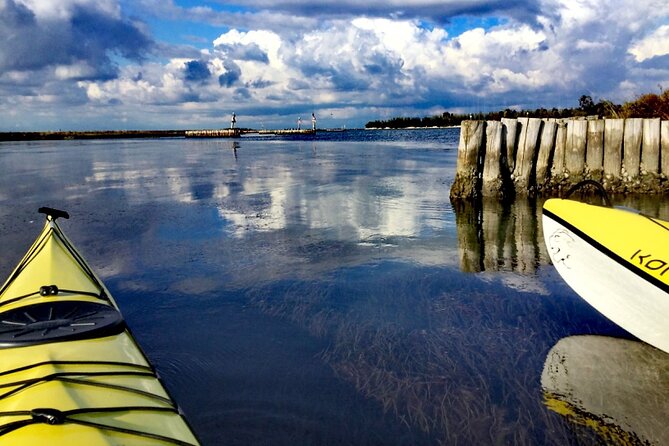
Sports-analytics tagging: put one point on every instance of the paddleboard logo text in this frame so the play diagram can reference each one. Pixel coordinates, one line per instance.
(647, 261)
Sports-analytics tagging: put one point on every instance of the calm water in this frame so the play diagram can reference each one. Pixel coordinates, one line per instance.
(325, 291)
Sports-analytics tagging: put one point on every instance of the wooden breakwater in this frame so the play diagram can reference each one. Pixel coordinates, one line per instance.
(527, 156)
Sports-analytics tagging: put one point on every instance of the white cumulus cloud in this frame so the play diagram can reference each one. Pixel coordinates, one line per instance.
(652, 45)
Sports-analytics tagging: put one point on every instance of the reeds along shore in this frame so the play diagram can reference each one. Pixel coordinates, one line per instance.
(528, 156)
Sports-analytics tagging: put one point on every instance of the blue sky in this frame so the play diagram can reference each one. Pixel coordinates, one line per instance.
(140, 64)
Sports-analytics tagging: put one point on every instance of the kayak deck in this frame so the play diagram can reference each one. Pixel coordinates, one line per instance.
(70, 370)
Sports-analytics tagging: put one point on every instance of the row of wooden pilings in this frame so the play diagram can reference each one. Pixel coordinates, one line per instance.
(527, 156)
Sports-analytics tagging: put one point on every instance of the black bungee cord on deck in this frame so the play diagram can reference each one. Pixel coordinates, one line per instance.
(598, 187)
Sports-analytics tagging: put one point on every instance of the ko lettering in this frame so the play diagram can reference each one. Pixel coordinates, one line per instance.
(649, 262)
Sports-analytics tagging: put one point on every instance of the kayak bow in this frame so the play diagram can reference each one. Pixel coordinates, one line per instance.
(70, 370)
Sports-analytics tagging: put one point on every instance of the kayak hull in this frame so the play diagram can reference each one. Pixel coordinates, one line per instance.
(615, 260)
(70, 370)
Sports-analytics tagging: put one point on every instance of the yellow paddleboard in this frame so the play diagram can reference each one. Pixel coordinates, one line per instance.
(617, 260)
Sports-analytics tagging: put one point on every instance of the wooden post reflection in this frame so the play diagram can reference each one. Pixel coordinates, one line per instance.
(498, 236)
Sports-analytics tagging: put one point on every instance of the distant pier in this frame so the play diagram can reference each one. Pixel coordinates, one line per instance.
(528, 156)
(120, 134)
(217, 133)
(93, 134)
(287, 132)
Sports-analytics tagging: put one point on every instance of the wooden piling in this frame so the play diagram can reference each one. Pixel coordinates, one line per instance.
(664, 148)
(510, 138)
(613, 151)
(526, 154)
(494, 160)
(594, 155)
(558, 167)
(650, 147)
(577, 133)
(466, 184)
(546, 150)
(632, 148)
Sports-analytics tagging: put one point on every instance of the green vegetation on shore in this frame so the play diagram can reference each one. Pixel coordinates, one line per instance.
(645, 106)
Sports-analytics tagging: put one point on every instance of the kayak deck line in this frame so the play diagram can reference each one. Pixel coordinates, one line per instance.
(105, 363)
(55, 417)
(64, 377)
(609, 253)
(70, 370)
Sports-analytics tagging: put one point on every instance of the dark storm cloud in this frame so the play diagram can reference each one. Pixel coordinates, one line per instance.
(231, 75)
(259, 83)
(436, 12)
(86, 36)
(656, 62)
(196, 71)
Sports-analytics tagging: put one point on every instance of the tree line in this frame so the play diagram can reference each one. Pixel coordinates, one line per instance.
(648, 105)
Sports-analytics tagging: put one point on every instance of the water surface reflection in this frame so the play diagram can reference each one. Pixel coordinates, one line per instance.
(616, 387)
(314, 291)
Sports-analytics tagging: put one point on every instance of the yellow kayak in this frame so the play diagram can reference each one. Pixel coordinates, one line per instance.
(70, 371)
(615, 259)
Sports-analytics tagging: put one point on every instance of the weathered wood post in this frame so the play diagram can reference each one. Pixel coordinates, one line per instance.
(470, 147)
(558, 168)
(526, 154)
(613, 152)
(493, 181)
(632, 149)
(594, 154)
(510, 137)
(577, 132)
(664, 149)
(546, 150)
(650, 146)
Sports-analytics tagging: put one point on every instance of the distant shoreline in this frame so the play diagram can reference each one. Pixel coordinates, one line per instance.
(433, 127)
(122, 134)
